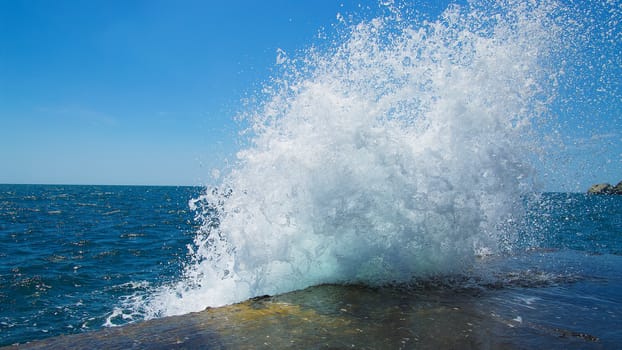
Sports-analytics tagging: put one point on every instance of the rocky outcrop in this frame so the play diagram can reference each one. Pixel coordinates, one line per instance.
(605, 188)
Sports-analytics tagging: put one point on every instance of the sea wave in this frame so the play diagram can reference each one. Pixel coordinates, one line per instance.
(403, 150)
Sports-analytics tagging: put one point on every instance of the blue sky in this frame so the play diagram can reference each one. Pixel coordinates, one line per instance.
(144, 92)
(132, 92)
(135, 92)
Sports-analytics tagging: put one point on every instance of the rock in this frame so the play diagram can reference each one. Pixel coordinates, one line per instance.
(336, 317)
(600, 189)
(605, 188)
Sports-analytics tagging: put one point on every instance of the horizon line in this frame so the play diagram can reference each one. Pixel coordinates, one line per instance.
(91, 184)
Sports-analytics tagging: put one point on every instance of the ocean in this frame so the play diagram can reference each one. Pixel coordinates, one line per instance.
(72, 255)
(388, 192)
(69, 253)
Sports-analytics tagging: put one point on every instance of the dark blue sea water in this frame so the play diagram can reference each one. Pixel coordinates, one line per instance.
(70, 254)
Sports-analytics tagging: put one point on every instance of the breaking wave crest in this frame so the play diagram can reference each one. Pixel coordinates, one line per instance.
(403, 150)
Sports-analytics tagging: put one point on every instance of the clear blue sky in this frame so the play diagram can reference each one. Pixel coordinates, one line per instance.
(135, 92)
(144, 92)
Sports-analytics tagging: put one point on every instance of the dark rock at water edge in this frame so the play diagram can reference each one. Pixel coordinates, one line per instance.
(340, 317)
(605, 188)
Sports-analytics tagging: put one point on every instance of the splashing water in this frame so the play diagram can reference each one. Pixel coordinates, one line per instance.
(402, 151)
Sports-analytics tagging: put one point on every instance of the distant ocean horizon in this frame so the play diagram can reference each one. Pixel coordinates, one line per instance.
(575, 189)
(99, 184)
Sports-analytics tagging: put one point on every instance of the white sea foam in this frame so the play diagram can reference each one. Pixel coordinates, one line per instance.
(401, 151)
